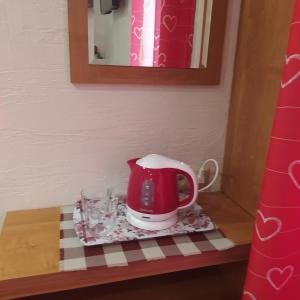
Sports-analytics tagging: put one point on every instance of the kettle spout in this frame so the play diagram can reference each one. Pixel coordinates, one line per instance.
(132, 163)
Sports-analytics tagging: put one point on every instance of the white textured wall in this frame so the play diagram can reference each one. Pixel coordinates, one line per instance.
(56, 137)
(112, 34)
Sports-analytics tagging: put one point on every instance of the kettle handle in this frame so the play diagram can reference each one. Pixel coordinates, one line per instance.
(187, 171)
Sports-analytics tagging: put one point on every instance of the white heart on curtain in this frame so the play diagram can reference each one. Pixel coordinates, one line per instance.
(290, 59)
(274, 232)
(250, 295)
(291, 173)
(190, 40)
(138, 32)
(170, 22)
(278, 278)
(134, 56)
(132, 20)
(162, 58)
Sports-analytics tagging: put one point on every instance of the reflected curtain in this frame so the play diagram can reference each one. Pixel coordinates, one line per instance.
(162, 33)
(274, 264)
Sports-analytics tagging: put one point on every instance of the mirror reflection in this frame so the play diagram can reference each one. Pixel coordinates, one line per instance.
(149, 33)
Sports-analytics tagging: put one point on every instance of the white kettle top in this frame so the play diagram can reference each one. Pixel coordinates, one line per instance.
(156, 161)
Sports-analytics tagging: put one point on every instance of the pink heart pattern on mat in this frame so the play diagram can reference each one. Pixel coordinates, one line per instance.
(278, 278)
(295, 174)
(268, 228)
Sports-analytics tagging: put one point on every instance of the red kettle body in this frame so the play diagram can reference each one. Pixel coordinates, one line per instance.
(153, 196)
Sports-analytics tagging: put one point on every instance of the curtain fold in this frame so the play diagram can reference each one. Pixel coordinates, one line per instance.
(274, 264)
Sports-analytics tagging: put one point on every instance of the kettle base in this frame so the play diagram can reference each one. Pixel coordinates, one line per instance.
(151, 225)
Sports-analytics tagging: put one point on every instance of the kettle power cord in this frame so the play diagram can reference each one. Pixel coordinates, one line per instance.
(201, 171)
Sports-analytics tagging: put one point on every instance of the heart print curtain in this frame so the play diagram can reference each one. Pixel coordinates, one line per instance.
(162, 33)
(274, 265)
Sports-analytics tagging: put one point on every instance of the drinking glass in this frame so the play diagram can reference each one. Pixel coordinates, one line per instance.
(100, 211)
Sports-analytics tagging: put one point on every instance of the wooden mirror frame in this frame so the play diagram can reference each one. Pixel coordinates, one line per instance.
(83, 72)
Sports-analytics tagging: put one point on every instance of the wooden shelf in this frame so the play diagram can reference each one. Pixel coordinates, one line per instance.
(231, 219)
(234, 221)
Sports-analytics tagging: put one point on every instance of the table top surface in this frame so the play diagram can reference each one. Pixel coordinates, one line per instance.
(29, 250)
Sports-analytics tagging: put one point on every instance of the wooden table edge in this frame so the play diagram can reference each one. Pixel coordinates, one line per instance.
(63, 281)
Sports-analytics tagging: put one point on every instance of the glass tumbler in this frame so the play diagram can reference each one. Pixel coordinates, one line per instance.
(100, 211)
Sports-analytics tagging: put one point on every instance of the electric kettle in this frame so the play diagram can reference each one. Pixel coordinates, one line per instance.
(153, 197)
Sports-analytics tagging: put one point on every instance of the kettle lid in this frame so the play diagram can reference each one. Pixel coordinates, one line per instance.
(156, 161)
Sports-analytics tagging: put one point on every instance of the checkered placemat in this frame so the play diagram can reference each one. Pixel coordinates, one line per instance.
(75, 256)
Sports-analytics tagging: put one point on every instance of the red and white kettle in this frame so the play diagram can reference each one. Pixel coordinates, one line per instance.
(153, 196)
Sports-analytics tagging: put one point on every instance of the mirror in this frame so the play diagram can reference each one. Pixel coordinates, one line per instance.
(149, 33)
(82, 71)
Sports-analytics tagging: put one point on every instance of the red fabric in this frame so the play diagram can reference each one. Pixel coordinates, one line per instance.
(175, 30)
(137, 23)
(172, 38)
(274, 265)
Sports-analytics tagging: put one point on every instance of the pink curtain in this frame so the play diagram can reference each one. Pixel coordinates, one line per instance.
(274, 265)
(162, 33)
(137, 27)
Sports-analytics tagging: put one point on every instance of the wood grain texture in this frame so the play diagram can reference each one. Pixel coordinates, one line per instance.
(83, 72)
(192, 284)
(62, 281)
(33, 242)
(230, 218)
(262, 42)
(29, 243)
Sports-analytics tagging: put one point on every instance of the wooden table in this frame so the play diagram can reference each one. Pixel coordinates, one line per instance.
(29, 251)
